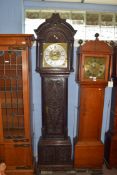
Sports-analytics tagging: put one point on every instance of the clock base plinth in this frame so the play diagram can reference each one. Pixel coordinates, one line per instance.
(110, 150)
(88, 154)
(54, 154)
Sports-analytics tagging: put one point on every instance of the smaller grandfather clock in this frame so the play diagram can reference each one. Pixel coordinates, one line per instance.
(55, 38)
(93, 73)
(110, 153)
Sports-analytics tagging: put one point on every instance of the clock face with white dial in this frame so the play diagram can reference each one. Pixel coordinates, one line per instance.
(55, 55)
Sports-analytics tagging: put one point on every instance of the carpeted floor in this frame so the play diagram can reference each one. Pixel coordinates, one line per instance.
(104, 171)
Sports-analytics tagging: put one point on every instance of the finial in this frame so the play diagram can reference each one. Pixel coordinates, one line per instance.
(97, 35)
(112, 43)
(80, 41)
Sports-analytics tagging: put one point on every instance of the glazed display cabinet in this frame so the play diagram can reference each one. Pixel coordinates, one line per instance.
(15, 132)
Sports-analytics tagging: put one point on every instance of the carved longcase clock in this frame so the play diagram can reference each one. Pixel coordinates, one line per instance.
(110, 153)
(93, 72)
(55, 39)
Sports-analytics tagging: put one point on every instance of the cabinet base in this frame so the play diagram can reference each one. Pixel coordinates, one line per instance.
(88, 154)
(19, 172)
(110, 150)
(54, 154)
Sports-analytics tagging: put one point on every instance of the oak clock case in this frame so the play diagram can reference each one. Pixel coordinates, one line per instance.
(93, 72)
(110, 151)
(54, 61)
(15, 132)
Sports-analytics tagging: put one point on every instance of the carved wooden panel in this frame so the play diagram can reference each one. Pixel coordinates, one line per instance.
(58, 154)
(53, 153)
(54, 108)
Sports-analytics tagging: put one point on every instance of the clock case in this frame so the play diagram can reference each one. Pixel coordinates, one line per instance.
(54, 147)
(88, 147)
(98, 50)
(110, 151)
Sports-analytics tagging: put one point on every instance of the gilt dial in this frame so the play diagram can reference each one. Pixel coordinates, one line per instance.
(55, 55)
(94, 67)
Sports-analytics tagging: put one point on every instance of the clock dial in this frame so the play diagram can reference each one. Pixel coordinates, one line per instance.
(94, 67)
(55, 55)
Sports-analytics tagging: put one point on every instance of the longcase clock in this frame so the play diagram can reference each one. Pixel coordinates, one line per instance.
(15, 130)
(111, 136)
(93, 72)
(55, 38)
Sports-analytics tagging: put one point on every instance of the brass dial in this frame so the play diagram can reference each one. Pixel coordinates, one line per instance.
(55, 55)
(94, 67)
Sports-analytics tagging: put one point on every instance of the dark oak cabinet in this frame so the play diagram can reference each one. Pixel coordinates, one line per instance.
(15, 132)
(54, 61)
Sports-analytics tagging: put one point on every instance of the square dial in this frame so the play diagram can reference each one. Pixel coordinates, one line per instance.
(94, 67)
(55, 55)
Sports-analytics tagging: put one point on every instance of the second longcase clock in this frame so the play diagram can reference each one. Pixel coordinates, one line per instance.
(55, 40)
(93, 73)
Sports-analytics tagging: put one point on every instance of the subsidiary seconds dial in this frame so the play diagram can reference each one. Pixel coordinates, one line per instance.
(55, 55)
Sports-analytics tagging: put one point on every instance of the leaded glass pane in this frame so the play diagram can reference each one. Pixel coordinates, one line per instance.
(11, 94)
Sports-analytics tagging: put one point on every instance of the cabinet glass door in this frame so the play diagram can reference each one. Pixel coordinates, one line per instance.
(11, 94)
